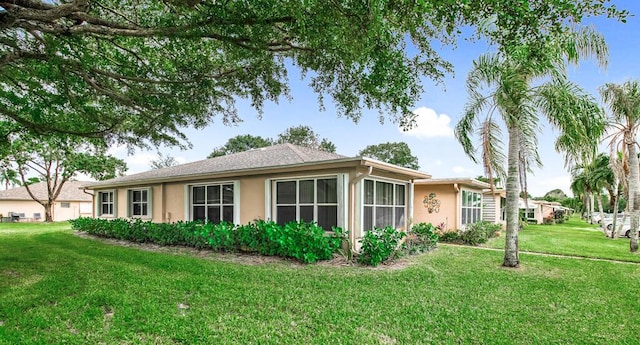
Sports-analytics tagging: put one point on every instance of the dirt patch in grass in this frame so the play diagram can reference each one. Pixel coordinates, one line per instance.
(247, 258)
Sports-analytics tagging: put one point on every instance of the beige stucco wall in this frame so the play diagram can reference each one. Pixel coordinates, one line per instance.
(170, 199)
(448, 213)
(30, 207)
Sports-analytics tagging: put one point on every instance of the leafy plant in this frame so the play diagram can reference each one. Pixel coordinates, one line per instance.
(449, 236)
(422, 238)
(380, 245)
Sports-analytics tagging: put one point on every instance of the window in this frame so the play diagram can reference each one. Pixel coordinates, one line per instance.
(213, 203)
(471, 207)
(106, 203)
(139, 202)
(309, 200)
(65, 205)
(384, 204)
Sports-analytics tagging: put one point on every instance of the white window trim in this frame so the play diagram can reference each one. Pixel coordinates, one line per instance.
(360, 199)
(98, 208)
(188, 203)
(461, 207)
(149, 214)
(340, 203)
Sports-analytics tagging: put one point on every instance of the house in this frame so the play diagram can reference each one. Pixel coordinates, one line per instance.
(450, 202)
(538, 210)
(70, 204)
(280, 183)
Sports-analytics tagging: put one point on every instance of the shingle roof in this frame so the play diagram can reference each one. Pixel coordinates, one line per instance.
(272, 156)
(70, 192)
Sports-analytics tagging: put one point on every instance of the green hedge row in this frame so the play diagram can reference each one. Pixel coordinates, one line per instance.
(306, 242)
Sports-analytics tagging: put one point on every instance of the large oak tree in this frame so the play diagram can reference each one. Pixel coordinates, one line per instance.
(139, 71)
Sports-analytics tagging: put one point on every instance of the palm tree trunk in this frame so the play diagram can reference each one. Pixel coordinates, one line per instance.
(634, 194)
(600, 208)
(511, 258)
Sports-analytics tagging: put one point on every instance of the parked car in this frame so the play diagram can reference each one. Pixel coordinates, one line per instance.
(624, 230)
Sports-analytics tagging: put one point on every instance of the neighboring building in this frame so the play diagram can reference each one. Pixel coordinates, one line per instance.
(281, 183)
(71, 203)
(493, 203)
(452, 202)
(538, 210)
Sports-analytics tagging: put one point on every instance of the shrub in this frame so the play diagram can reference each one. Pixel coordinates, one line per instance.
(548, 221)
(422, 238)
(306, 242)
(380, 245)
(480, 232)
(449, 236)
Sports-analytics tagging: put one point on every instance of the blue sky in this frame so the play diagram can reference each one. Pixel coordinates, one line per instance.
(441, 107)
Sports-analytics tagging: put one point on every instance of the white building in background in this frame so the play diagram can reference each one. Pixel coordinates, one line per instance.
(72, 202)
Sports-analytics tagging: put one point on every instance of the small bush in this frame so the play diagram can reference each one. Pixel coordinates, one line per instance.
(422, 238)
(479, 233)
(548, 221)
(449, 237)
(380, 245)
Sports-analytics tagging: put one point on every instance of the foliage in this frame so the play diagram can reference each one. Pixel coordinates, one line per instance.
(550, 220)
(57, 159)
(450, 236)
(397, 153)
(137, 71)
(478, 233)
(513, 87)
(302, 241)
(240, 143)
(422, 238)
(380, 245)
(555, 194)
(163, 161)
(305, 136)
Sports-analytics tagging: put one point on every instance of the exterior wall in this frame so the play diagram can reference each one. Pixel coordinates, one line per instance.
(171, 200)
(449, 209)
(29, 208)
(492, 210)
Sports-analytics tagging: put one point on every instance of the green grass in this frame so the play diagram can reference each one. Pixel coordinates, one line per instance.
(575, 237)
(58, 288)
(32, 227)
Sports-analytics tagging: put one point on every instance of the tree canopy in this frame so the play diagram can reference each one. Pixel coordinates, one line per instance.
(163, 161)
(397, 153)
(305, 136)
(57, 159)
(140, 71)
(241, 143)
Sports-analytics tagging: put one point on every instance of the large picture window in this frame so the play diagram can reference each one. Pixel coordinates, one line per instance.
(309, 200)
(213, 203)
(384, 204)
(139, 203)
(471, 207)
(106, 202)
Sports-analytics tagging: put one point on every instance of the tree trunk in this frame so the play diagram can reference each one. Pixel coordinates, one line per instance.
(600, 209)
(511, 258)
(615, 196)
(634, 194)
(48, 214)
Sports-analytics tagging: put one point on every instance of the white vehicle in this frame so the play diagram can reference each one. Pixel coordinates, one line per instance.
(624, 230)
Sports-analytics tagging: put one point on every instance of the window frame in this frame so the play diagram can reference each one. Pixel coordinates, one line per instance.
(65, 204)
(113, 202)
(375, 205)
(131, 202)
(189, 204)
(315, 204)
(471, 212)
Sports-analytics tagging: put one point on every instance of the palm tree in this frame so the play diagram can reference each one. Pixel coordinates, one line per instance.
(513, 99)
(624, 104)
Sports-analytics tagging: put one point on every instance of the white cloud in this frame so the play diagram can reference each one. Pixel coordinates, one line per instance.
(430, 125)
(139, 161)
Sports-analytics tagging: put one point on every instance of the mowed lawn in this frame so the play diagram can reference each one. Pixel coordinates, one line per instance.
(56, 287)
(575, 237)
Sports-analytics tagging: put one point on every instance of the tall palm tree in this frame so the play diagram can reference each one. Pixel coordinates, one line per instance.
(624, 103)
(513, 99)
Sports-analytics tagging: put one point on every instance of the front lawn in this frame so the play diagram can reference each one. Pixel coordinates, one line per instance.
(32, 227)
(58, 288)
(575, 237)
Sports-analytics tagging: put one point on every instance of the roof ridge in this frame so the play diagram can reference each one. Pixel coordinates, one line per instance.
(298, 152)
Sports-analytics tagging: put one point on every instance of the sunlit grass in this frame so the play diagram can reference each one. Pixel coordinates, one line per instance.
(30, 228)
(58, 288)
(575, 237)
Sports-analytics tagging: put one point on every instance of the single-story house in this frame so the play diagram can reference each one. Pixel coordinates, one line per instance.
(449, 202)
(538, 210)
(71, 203)
(281, 183)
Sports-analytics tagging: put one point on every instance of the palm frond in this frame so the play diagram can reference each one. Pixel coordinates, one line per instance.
(493, 157)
